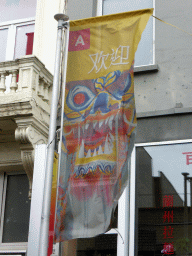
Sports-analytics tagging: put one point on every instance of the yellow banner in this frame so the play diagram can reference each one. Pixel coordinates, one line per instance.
(104, 44)
(99, 121)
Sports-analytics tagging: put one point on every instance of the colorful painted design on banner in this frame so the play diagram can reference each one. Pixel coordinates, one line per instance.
(99, 122)
(53, 204)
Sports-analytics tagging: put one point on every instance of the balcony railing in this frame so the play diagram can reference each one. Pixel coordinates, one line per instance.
(29, 80)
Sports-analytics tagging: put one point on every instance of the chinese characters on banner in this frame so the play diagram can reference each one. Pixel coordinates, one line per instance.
(168, 247)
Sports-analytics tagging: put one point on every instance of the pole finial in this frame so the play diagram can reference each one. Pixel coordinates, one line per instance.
(185, 174)
(61, 16)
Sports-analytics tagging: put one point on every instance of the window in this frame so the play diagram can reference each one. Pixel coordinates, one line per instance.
(24, 40)
(3, 43)
(145, 54)
(163, 196)
(15, 210)
(13, 254)
(17, 9)
(14, 26)
(14, 38)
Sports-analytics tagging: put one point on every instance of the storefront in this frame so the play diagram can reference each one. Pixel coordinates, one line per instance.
(160, 189)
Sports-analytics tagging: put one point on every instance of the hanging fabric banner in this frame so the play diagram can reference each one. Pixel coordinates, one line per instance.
(99, 121)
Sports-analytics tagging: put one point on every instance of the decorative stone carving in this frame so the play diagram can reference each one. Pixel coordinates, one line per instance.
(27, 157)
(28, 103)
(29, 133)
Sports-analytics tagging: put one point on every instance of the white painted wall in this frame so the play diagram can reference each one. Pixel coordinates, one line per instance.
(46, 31)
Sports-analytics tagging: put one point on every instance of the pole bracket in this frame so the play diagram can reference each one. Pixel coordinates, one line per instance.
(62, 20)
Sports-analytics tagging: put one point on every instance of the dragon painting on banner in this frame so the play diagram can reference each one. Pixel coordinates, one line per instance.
(98, 133)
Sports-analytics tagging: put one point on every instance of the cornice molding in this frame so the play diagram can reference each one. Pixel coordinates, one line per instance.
(16, 108)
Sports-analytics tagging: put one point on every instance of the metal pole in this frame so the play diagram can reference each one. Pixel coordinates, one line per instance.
(190, 215)
(63, 99)
(190, 180)
(61, 18)
(127, 211)
(185, 174)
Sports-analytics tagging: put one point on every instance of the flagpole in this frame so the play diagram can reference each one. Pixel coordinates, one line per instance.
(43, 246)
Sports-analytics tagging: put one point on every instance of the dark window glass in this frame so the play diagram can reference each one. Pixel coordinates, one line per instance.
(17, 209)
(164, 200)
(102, 245)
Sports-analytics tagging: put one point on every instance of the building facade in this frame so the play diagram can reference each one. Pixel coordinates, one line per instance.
(159, 202)
(25, 95)
(154, 215)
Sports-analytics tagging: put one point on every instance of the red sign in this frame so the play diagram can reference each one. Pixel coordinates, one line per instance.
(168, 232)
(188, 157)
(168, 215)
(79, 40)
(168, 201)
(168, 248)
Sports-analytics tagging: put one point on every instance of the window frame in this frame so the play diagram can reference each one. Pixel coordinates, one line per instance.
(11, 37)
(133, 213)
(8, 247)
(150, 67)
(122, 235)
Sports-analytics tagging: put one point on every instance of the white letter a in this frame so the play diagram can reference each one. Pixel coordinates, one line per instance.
(80, 40)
